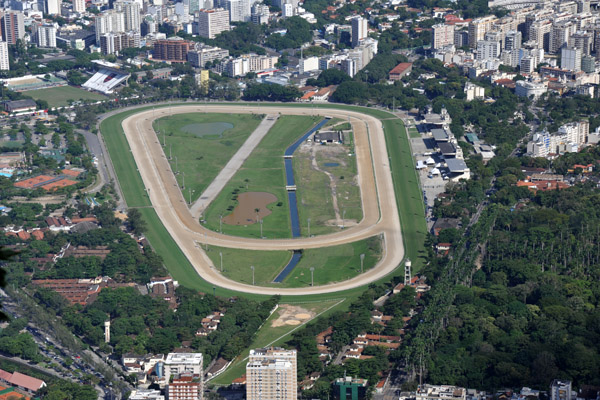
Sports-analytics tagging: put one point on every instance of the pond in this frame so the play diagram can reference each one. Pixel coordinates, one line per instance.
(207, 129)
(248, 202)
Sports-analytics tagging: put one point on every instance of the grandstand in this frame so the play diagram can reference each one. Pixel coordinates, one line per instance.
(32, 82)
(106, 80)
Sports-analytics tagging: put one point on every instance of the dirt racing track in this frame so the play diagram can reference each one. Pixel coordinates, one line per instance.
(377, 195)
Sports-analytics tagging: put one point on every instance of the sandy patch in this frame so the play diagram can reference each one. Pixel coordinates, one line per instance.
(292, 315)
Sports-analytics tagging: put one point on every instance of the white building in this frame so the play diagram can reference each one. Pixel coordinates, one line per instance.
(570, 59)
(4, 63)
(260, 14)
(359, 30)
(204, 53)
(79, 6)
(180, 363)
(570, 137)
(309, 64)
(288, 10)
(212, 22)
(239, 10)
(271, 374)
(131, 15)
(52, 7)
(443, 392)
(45, 35)
(108, 22)
(473, 91)
(441, 35)
(529, 89)
(488, 50)
(146, 394)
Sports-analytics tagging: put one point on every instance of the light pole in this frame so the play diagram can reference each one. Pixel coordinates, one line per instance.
(191, 191)
(312, 281)
(176, 166)
(362, 260)
(221, 223)
(308, 220)
(221, 255)
(343, 217)
(170, 152)
(183, 184)
(252, 268)
(261, 228)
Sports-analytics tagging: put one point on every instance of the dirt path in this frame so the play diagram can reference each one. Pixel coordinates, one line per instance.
(334, 202)
(380, 213)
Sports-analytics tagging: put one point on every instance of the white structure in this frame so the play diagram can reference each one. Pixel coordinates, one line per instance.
(52, 7)
(569, 138)
(45, 35)
(204, 53)
(79, 6)
(488, 50)
(512, 40)
(106, 80)
(180, 363)
(473, 91)
(359, 30)
(4, 62)
(561, 390)
(131, 15)
(478, 28)
(108, 22)
(239, 10)
(570, 59)
(271, 374)
(13, 26)
(441, 35)
(529, 89)
(212, 22)
(309, 64)
(287, 10)
(107, 331)
(260, 14)
(443, 392)
(146, 394)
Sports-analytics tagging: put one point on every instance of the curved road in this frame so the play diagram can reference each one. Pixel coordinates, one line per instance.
(379, 202)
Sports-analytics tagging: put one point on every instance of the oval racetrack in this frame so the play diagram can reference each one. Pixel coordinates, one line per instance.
(375, 180)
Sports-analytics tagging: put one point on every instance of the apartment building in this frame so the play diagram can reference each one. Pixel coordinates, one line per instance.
(271, 374)
(4, 61)
(478, 28)
(45, 35)
(183, 363)
(171, 50)
(203, 54)
(185, 387)
(441, 35)
(13, 26)
(570, 138)
(359, 30)
(212, 22)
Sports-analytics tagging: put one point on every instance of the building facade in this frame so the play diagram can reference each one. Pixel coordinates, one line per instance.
(271, 374)
(212, 22)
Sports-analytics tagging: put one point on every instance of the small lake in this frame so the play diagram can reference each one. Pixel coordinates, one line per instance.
(245, 212)
(208, 129)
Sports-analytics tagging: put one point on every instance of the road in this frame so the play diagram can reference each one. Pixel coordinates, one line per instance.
(234, 164)
(377, 195)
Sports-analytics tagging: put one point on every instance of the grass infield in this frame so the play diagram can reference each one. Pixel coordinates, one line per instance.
(58, 96)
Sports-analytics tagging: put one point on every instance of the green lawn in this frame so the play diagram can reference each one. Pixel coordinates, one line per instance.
(408, 196)
(263, 171)
(201, 157)
(58, 96)
(331, 264)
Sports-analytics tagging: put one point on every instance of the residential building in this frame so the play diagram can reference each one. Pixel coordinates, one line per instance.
(309, 64)
(4, 60)
(443, 392)
(288, 9)
(260, 14)
(79, 6)
(359, 30)
(478, 28)
(461, 38)
(560, 34)
(212, 22)
(113, 43)
(146, 394)
(271, 374)
(441, 35)
(560, 390)
(131, 15)
(569, 138)
(109, 21)
(588, 64)
(204, 53)
(582, 40)
(52, 7)
(172, 50)
(45, 35)
(239, 10)
(473, 91)
(185, 387)
(512, 40)
(530, 89)
(183, 363)
(488, 50)
(13, 26)
(570, 59)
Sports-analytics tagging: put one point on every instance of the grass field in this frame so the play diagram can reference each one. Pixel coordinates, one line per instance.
(58, 96)
(201, 158)
(263, 171)
(331, 264)
(270, 336)
(408, 196)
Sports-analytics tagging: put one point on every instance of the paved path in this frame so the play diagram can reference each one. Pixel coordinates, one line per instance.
(380, 213)
(233, 165)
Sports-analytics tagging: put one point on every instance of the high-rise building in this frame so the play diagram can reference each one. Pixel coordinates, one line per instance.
(288, 10)
(4, 61)
(109, 21)
(588, 64)
(570, 59)
(212, 22)
(461, 38)
(79, 6)
(204, 53)
(488, 50)
(239, 10)
(560, 390)
(539, 33)
(271, 374)
(52, 7)
(183, 363)
(260, 14)
(582, 40)
(560, 35)
(512, 40)
(441, 35)
(359, 30)
(185, 387)
(13, 27)
(45, 35)
(478, 28)
(131, 15)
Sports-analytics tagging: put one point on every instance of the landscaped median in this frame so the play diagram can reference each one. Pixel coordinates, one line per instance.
(405, 182)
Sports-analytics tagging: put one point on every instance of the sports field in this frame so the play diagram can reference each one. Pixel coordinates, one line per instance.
(263, 171)
(203, 144)
(59, 96)
(331, 264)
